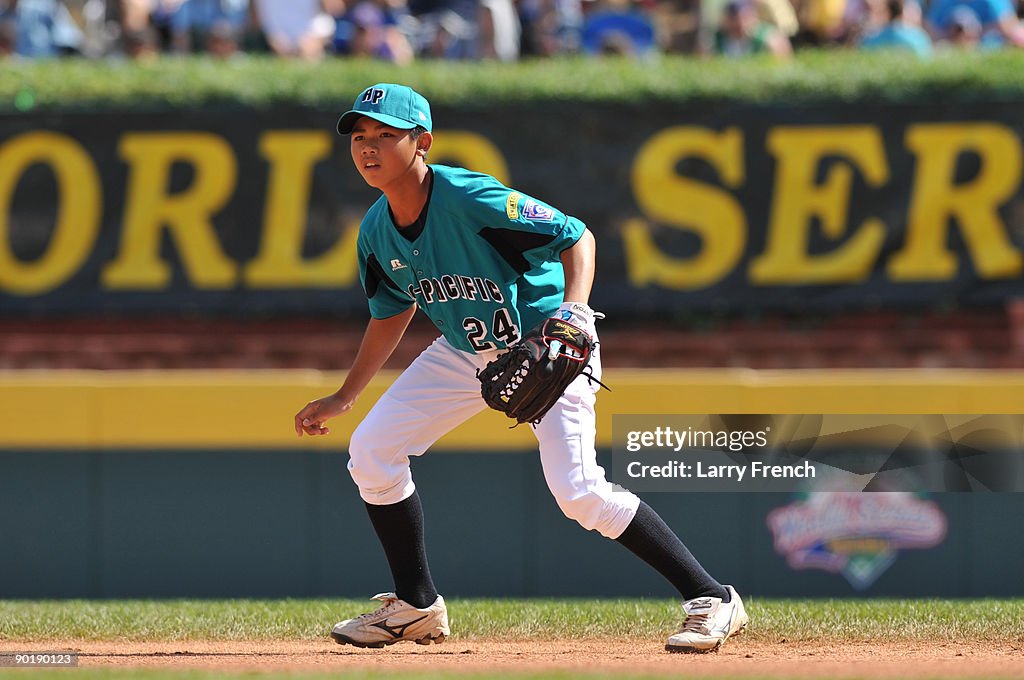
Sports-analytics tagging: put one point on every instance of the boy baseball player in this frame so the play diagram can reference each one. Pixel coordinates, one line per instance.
(486, 264)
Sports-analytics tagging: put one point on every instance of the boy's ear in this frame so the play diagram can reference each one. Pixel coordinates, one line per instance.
(423, 143)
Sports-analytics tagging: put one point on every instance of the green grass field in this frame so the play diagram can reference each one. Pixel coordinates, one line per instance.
(773, 620)
(61, 622)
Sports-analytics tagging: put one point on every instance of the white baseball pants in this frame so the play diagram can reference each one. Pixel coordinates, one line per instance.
(438, 392)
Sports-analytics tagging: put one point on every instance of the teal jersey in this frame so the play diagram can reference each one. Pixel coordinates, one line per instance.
(485, 267)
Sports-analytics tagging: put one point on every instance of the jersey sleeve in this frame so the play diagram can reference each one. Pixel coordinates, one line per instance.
(527, 232)
(385, 297)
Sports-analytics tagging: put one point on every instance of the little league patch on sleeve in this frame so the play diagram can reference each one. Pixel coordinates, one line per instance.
(535, 212)
(512, 205)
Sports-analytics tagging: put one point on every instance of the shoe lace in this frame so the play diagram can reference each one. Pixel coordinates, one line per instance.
(695, 623)
(389, 604)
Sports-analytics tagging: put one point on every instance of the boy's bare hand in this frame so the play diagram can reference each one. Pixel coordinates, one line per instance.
(312, 417)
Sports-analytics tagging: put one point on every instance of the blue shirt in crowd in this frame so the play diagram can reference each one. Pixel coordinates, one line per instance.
(989, 12)
(897, 36)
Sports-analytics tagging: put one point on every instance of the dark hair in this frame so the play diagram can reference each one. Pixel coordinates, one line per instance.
(416, 133)
(895, 8)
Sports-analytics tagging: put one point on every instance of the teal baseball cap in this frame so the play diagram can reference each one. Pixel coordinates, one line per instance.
(399, 106)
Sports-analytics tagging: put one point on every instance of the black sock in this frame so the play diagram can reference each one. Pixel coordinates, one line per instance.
(650, 539)
(400, 530)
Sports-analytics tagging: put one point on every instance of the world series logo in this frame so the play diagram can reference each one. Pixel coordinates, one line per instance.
(858, 535)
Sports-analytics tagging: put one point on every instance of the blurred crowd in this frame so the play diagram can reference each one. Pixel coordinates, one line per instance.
(401, 31)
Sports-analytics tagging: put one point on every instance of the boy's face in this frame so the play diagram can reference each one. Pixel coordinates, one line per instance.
(382, 153)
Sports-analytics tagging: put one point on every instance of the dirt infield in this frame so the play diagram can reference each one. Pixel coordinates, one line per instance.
(742, 657)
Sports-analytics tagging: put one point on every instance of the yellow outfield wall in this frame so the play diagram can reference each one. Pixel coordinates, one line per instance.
(254, 409)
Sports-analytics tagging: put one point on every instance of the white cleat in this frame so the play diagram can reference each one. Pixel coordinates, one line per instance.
(395, 621)
(709, 623)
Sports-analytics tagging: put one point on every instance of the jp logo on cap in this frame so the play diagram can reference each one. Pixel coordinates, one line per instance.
(395, 105)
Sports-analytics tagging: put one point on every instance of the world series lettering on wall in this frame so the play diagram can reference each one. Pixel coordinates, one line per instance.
(727, 209)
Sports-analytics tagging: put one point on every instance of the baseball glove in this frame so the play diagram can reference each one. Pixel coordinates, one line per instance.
(526, 381)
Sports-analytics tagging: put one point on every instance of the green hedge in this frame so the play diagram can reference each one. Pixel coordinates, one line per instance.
(813, 77)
